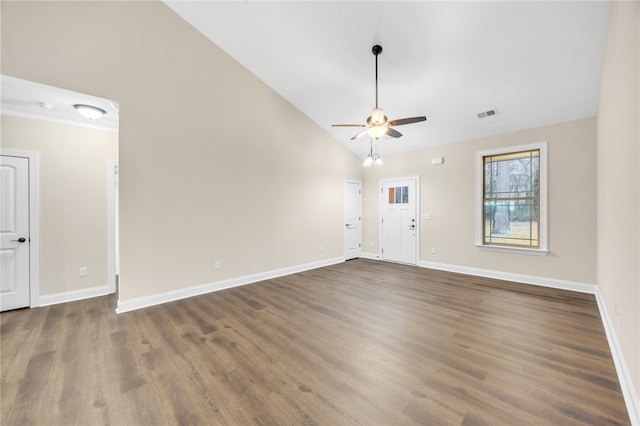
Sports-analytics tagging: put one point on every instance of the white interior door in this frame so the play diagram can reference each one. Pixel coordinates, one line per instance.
(14, 232)
(399, 226)
(352, 219)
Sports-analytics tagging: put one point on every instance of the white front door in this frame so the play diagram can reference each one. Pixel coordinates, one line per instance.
(399, 226)
(14, 232)
(352, 219)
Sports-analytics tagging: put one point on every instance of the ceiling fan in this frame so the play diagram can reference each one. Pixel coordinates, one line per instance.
(377, 123)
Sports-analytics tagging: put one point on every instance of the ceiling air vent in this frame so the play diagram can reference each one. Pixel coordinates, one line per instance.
(489, 113)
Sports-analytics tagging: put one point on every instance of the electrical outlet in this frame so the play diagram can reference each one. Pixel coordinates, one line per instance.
(372, 243)
(618, 313)
(217, 265)
(84, 271)
(620, 316)
(434, 250)
(321, 249)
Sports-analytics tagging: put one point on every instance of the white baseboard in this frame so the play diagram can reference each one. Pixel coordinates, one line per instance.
(372, 256)
(170, 296)
(628, 390)
(519, 278)
(72, 296)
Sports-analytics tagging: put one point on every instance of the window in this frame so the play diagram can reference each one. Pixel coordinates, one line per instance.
(512, 199)
(399, 195)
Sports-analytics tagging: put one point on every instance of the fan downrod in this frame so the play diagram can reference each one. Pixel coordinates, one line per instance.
(376, 50)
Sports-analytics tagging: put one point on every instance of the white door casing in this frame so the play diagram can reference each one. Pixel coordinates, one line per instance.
(113, 225)
(352, 219)
(14, 233)
(399, 233)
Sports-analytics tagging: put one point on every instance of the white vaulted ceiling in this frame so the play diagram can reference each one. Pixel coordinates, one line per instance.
(536, 63)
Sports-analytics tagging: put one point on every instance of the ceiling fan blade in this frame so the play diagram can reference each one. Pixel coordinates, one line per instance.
(359, 135)
(402, 121)
(348, 125)
(393, 133)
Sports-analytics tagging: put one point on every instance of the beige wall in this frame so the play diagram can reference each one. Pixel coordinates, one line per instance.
(619, 181)
(448, 192)
(73, 199)
(214, 165)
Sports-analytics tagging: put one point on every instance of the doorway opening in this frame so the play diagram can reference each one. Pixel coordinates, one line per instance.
(72, 251)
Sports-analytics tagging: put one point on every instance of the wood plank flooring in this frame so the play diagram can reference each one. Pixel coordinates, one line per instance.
(358, 343)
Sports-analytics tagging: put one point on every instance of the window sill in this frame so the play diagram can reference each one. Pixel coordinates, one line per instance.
(528, 251)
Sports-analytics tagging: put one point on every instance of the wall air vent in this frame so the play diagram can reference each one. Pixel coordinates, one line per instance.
(489, 113)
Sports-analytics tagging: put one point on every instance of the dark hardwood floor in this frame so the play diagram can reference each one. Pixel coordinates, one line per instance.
(358, 343)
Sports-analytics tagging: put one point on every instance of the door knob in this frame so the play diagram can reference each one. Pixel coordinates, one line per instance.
(19, 240)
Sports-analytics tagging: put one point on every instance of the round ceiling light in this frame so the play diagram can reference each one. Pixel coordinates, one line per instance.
(89, 111)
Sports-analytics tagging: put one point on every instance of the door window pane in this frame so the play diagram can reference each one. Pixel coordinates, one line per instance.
(399, 195)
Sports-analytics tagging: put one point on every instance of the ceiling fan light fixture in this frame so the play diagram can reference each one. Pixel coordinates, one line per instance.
(377, 132)
(377, 161)
(377, 123)
(368, 161)
(89, 111)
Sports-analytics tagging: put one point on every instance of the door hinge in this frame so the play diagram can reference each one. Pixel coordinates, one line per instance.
(381, 190)
(381, 250)
(359, 245)
(359, 191)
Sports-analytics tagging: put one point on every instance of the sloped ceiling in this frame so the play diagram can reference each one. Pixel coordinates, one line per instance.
(536, 63)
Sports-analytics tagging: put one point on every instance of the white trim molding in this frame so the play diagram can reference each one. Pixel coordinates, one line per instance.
(112, 224)
(517, 250)
(508, 276)
(626, 384)
(371, 256)
(73, 296)
(183, 293)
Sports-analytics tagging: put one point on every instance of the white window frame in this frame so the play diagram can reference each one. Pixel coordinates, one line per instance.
(542, 250)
